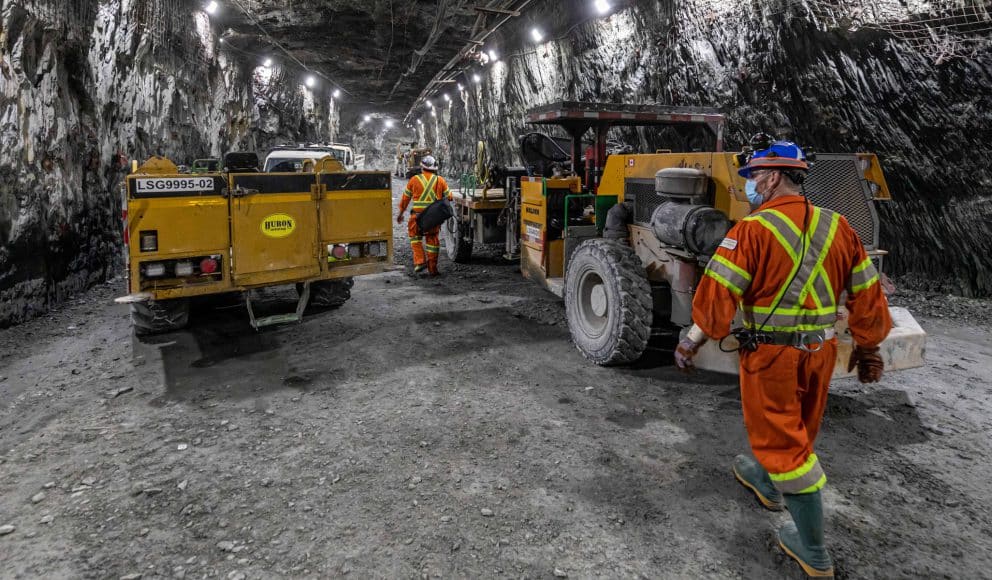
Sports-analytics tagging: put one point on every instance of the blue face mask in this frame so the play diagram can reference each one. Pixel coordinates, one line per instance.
(751, 191)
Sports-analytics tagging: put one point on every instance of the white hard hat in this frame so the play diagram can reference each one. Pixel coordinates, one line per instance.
(429, 163)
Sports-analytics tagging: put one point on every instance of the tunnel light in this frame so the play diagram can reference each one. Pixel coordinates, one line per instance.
(220, 40)
(476, 78)
(336, 93)
(493, 55)
(211, 8)
(311, 81)
(536, 34)
(267, 63)
(430, 104)
(433, 113)
(460, 87)
(602, 6)
(368, 118)
(446, 97)
(419, 122)
(389, 123)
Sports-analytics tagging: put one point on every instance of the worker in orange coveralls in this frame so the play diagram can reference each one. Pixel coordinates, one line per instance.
(424, 189)
(785, 266)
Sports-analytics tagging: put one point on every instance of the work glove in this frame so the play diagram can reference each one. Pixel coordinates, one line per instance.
(869, 363)
(399, 218)
(684, 353)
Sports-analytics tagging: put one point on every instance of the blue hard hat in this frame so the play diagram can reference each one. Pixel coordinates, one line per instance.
(779, 155)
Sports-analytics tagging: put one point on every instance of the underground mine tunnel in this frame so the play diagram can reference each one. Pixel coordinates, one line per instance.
(243, 335)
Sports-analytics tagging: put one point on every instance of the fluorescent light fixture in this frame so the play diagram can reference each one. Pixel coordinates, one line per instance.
(311, 81)
(336, 93)
(476, 78)
(211, 7)
(602, 6)
(536, 34)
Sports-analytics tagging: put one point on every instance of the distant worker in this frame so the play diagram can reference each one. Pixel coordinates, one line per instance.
(785, 266)
(424, 189)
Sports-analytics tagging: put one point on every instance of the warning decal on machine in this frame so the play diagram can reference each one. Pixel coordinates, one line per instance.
(532, 233)
(278, 225)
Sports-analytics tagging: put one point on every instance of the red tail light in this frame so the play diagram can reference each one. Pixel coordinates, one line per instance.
(339, 252)
(208, 266)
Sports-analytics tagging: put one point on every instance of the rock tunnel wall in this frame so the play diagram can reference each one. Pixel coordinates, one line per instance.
(794, 69)
(87, 85)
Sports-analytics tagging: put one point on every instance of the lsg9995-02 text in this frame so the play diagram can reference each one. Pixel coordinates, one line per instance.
(175, 184)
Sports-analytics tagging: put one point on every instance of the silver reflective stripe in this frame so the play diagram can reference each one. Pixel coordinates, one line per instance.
(810, 481)
(862, 276)
(805, 320)
(818, 246)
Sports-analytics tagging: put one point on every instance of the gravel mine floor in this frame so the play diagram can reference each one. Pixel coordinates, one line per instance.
(447, 428)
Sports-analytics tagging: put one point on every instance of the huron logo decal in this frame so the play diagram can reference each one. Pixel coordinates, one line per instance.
(278, 225)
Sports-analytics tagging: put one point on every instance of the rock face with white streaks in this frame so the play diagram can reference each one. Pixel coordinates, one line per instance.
(795, 69)
(86, 86)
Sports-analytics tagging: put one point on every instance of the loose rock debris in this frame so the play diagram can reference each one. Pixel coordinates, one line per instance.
(442, 451)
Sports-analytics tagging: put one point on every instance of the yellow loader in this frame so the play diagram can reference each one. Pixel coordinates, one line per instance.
(238, 230)
(625, 237)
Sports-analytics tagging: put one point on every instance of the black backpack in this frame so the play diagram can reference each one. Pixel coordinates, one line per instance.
(435, 214)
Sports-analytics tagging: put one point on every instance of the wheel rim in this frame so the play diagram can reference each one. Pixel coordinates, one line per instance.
(593, 304)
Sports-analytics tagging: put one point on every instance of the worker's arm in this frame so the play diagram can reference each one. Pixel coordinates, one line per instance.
(445, 190)
(868, 313)
(404, 202)
(718, 294)
(728, 275)
(868, 309)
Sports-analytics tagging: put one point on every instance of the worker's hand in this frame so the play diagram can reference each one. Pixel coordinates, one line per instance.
(399, 218)
(684, 353)
(869, 363)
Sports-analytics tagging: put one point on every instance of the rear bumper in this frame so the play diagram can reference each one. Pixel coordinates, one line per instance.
(904, 348)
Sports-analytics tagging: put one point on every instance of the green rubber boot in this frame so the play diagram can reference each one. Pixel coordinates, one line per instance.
(754, 477)
(803, 537)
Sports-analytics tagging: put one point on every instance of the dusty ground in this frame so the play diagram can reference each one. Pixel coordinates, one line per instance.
(447, 428)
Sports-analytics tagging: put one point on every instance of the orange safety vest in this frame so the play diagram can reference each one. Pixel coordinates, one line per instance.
(423, 190)
(754, 264)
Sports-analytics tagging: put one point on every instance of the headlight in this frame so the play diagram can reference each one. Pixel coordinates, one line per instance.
(355, 250)
(184, 268)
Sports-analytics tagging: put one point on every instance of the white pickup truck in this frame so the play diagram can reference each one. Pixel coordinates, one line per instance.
(290, 158)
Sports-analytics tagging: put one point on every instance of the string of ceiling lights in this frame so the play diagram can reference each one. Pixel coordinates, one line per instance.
(309, 80)
(484, 55)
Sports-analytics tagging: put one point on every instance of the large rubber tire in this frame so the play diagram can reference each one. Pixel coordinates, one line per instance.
(608, 302)
(158, 316)
(328, 293)
(459, 247)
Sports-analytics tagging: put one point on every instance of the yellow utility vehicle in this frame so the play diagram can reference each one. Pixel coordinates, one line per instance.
(624, 238)
(483, 205)
(408, 161)
(240, 230)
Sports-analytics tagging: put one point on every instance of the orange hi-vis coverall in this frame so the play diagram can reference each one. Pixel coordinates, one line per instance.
(784, 388)
(424, 189)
